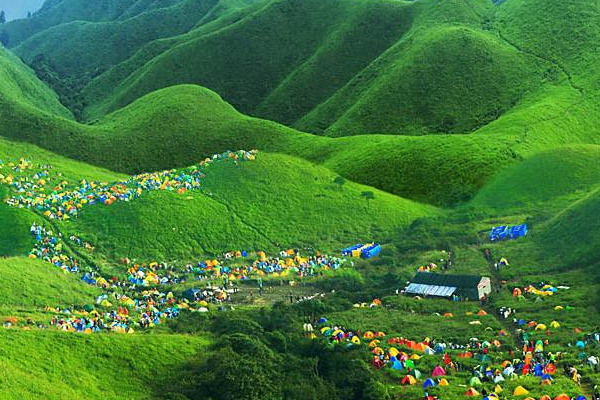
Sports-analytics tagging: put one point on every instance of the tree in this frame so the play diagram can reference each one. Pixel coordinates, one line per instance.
(2, 17)
(4, 38)
(340, 181)
(368, 195)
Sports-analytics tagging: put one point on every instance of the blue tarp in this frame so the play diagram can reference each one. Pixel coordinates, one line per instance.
(518, 231)
(499, 233)
(371, 251)
(508, 232)
(348, 251)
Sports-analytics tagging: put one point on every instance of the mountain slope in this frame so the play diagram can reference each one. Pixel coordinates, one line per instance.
(19, 85)
(543, 178)
(571, 237)
(80, 47)
(449, 79)
(56, 12)
(274, 202)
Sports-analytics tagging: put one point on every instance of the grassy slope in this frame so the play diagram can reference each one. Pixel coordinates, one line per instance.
(56, 12)
(275, 202)
(79, 47)
(16, 239)
(572, 236)
(35, 284)
(20, 85)
(56, 365)
(444, 79)
(354, 71)
(544, 178)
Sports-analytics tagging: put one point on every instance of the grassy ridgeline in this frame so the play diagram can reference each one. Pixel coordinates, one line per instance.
(272, 203)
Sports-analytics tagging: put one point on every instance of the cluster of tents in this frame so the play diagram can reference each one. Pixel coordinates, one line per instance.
(286, 265)
(60, 201)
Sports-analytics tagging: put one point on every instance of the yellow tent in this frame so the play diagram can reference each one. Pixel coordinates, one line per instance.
(498, 389)
(393, 352)
(415, 357)
(541, 327)
(520, 391)
(443, 382)
(555, 324)
(558, 308)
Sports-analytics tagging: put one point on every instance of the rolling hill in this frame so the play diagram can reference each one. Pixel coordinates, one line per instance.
(240, 208)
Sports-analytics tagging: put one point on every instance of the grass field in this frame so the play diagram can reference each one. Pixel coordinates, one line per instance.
(417, 124)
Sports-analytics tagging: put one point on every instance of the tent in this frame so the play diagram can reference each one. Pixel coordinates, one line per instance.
(409, 380)
(520, 391)
(580, 344)
(541, 327)
(555, 324)
(497, 389)
(438, 371)
(471, 392)
(443, 382)
(474, 381)
(545, 397)
(498, 379)
(429, 383)
(429, 351)
(562, 397)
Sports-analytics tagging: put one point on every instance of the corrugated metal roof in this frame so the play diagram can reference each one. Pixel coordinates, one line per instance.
(459, 281)
(430, 290)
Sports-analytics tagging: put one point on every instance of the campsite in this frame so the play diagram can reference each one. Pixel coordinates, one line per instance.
(299, 200)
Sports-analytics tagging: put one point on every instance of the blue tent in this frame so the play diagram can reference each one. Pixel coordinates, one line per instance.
(190, 294)
(397, 365)
(371, 251)
(580, 344)
(322, 320)
(518, 231)
(428, 383)
(348, 251)
(499, 233)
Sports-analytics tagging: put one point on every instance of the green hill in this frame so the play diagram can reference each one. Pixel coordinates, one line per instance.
(572, 236)
(35, 284)
(543, 178)
(56, 365)
(56, 12)
(344, 73)
(241, 208)
(20, 85)
(73, 49)
(449, 79)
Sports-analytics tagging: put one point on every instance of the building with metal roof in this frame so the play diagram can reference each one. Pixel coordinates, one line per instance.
(471, 287)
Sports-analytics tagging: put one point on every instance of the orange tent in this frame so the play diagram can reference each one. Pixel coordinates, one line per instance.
(449, 315)
(369, 335)
(466, 354)
(409, 380)
(471, 392)
(550, 369)
(562, 397)
(545, 397)
(481, 312)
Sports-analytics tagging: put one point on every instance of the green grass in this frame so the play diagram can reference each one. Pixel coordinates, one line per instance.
(56, 365)
(73, 48)
(35, 284)
(572, 236)
(58, 12)
(545, 178)
(272, 203)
